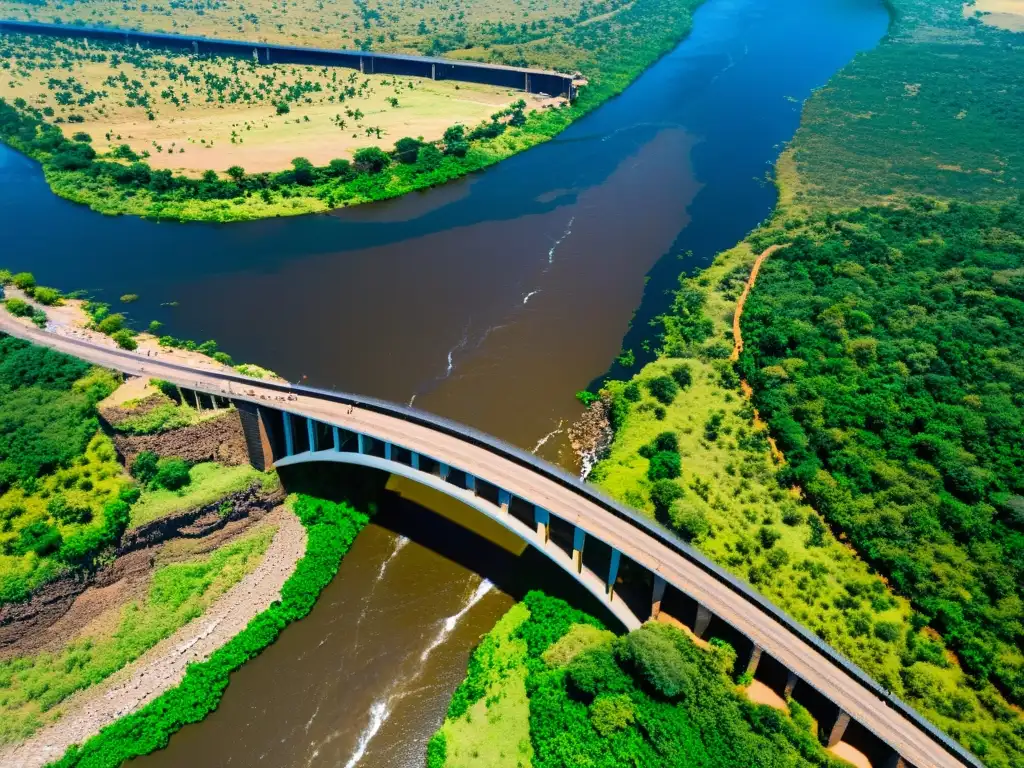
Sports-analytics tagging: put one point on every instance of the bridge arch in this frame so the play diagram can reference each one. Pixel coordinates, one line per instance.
(465, 487)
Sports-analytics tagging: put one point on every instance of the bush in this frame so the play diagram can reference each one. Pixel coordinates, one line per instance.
(587, 398)
(63, 512)
(124, 339)
(40, 538)
(46, 296)
(690, 522)
(611, 713)
(171, 474)
(682, 375)
(283, 108)
(889, 631)
(18, 307)
(144, 467)
(651, 651)
(24, 280)
(664, 465)
(632, 392)
(111, 324)
(663, 493)
(663, 388)
(595, 671)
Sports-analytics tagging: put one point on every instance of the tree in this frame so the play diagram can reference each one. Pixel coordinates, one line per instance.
(46, 296)
(664, 389)
(283, 108)
(304, 171)
(24, 280)
(372, 159)
(407, 150)
(155, 326)
(663, 493)
(236, 173)
(455, 141)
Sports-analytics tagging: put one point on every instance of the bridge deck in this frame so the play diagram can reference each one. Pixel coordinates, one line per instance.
(891, 720)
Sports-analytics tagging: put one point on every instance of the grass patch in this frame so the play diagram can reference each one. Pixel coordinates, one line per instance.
(209, 481)
(488, 719)
(32, 687)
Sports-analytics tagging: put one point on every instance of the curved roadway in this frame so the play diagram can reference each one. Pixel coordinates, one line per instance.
(523, 475)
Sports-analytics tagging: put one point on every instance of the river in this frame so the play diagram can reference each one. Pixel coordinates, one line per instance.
(490, 300)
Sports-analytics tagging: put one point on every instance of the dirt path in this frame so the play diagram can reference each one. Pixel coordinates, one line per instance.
(163, 666)
(737, 335)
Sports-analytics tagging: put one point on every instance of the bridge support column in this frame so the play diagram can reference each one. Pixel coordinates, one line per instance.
(289, 439)
(657, 595)
(195, 47)
(336, 434)
(470, 483)
(791, 681)
(257, 436)
(504, 500)
(443, 470)
(415, 461)
(433, 71)
(895, 760)
(579, 538)
(362, 443)
(701, 620)
(753, 660)
(835, 735)
(543, 520)
(613, 572)
(199, 404)
(311, 434)
(387, 451)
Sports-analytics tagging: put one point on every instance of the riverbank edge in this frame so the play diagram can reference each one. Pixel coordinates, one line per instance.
(539, 128)
(331, 528)
(164, 665)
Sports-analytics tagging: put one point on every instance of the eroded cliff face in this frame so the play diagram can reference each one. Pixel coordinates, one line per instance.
(217, 439)
(58, 610)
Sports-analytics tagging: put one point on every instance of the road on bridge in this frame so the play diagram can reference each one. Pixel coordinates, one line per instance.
(898, 725)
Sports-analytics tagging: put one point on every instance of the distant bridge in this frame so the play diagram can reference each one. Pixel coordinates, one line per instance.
(634, 566)
(369, 62)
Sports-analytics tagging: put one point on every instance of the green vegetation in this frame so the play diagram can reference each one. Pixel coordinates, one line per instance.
(60, 481)
(650, 698)
(330, 528)
(32, 687)
(488, 717)
(884, 347)
(207, 482)
(934, 110)
(612, 49)
(881, 347)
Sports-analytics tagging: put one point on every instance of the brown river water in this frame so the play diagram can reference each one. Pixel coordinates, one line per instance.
(491, 300)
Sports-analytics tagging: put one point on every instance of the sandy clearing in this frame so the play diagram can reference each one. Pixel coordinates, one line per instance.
(1005, 14)
(163, 666)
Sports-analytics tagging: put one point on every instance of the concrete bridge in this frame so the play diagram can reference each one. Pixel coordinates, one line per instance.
(368, 62)
(637, 568)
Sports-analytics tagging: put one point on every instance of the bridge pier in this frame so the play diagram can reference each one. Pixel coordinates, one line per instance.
(543, 520)
(613, 572)
(336, 435)
(387, 451)
(753, 660)
(311, 433)
(257, 436)
(415, 461)
(470, 483)
(289, 439)
(701, 620)
(362, 442)
(579, 538)
(835, 734)
(657, 595)
(504, 500)
(791, 681)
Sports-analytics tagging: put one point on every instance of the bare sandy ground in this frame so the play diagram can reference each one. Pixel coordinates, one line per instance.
(164, 665)
(1005, 14)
